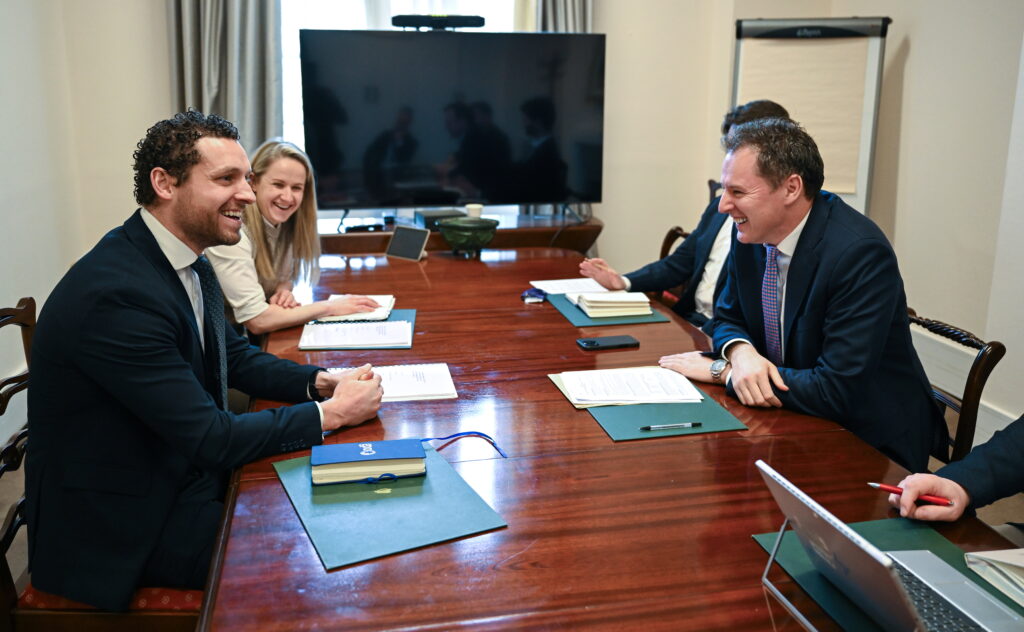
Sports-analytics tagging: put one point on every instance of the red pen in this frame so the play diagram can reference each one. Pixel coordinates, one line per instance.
(928, 498)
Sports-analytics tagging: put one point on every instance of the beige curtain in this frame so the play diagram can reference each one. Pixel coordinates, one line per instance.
(565, 16)
(226, 60)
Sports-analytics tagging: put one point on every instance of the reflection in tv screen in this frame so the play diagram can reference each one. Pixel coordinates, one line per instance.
(407, 118)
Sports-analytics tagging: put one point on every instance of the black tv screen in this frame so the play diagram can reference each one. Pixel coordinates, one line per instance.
(413, 119)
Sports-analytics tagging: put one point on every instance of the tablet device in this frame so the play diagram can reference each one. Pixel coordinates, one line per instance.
(408, 243)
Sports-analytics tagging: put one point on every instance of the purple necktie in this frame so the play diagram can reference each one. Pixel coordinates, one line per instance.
(770, 306)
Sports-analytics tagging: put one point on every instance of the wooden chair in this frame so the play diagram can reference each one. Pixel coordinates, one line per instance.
(670, 296)
(966, 406)
(714, 186)
(152, 609)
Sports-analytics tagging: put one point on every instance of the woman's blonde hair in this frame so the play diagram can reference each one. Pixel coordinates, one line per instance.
(299, 233)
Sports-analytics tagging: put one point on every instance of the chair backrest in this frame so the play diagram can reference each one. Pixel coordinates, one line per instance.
(714, 186)
(24, 316)
(966, 406)
(674, 234)
(12, 454)
(670, 296)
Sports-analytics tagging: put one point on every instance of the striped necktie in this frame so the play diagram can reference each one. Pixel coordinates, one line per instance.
(213, 314)
(770, 306)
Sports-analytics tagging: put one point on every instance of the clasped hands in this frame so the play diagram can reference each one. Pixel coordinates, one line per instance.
(355, 396)
(752, 375)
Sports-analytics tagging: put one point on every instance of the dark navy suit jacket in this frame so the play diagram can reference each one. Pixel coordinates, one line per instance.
(847, 349)
(993, 469)
(684, 265)
(120, 415)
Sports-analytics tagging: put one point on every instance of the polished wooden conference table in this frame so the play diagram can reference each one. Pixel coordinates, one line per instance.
(638, 535)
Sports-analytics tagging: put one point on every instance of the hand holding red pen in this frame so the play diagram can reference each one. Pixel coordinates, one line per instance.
(917, 485)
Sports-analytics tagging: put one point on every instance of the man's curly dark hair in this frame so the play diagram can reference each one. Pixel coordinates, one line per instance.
(171, 145)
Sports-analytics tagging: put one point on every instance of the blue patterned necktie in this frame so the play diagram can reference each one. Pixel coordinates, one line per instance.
(770, 306)
(213, 314)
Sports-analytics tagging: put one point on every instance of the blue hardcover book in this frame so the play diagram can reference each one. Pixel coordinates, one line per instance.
(368, 461)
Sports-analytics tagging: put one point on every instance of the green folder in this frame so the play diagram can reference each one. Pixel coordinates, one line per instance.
(622, 423)
(891, 534)
(354, 522)
(578, 318)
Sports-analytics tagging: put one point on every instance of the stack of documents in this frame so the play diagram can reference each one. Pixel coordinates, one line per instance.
(384, 334)
(1002, 569)
(609, 304)
(386, 302)
(569, 286)
(617, 387)
(411, 382)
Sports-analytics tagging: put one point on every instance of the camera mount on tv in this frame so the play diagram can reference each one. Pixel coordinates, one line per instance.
(437, 22)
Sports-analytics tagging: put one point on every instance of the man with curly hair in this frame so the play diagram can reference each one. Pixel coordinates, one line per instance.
(132, 442)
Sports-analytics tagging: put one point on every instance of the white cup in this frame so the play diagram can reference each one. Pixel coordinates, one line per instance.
(474, 210)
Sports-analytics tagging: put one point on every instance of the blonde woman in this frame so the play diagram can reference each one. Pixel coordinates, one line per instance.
(279, 245)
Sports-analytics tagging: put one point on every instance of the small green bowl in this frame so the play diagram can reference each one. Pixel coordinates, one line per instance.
(467, 235)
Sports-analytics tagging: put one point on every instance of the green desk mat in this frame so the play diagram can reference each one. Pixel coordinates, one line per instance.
(891, 534)
(354, 522)
(622, 423)
(578, 318)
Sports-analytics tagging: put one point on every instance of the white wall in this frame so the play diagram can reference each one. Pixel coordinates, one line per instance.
(1006, 298)
(36, 174)
(82, 82)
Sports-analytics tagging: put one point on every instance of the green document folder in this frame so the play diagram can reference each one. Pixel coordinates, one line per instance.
(354, 522)
(892, 534)
(622, 423)
(578, 318)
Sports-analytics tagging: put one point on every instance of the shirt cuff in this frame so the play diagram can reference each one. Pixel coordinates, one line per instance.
(726, 346)
(320, 410)
(629, 284)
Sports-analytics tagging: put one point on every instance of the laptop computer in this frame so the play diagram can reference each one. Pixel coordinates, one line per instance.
(900, 590)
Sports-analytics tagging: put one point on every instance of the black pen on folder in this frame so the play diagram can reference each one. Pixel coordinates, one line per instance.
(688, 424)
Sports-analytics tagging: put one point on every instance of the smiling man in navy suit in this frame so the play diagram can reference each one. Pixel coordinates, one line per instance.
(131, 441)
(698, 262)
(813, 315)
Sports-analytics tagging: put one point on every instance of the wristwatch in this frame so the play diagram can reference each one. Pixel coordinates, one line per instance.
(717, 368)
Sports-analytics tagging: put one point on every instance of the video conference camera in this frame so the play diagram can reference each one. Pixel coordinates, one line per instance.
(437, 22)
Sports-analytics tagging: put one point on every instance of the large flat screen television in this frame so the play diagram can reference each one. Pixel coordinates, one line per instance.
(415, 119)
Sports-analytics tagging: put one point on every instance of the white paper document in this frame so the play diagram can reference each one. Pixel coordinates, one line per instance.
(410, 382)
(388, 333)
(386, 302)
(1002, 569)
(566, 286)
(637, 385)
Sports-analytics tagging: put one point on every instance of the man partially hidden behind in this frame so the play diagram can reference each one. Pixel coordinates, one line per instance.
(131, 444)
(813, 315)
(699, 262)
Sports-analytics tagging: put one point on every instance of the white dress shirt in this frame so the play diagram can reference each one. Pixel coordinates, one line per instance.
(181, 259)
(704, 297)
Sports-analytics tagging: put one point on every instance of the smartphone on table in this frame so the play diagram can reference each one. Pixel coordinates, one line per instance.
(608, 342)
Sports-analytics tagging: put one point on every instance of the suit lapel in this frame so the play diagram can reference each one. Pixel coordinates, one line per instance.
(140, 236)
(804, 264)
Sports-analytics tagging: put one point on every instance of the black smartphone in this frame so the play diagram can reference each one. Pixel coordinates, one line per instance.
(608, 342)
